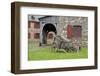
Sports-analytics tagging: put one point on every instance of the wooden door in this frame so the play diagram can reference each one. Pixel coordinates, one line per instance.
(77, 31)
(69, 31)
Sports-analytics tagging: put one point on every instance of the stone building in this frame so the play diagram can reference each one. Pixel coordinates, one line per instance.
(33, 28)
(74, 28)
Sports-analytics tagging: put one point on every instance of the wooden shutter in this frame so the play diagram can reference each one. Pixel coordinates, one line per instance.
(69, 31)
(77, 31)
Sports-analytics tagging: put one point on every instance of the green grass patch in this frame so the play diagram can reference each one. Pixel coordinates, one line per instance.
(47, 53)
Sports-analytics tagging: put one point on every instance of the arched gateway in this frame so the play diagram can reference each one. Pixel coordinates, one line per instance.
(47, 24)
(46, 29)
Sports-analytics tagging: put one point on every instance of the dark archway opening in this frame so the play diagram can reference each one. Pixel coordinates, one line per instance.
(46, 29)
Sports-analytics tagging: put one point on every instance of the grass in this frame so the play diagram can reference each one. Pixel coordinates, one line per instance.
(47, 53)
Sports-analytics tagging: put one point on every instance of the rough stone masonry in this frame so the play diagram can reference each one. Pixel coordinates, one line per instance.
(60, 23)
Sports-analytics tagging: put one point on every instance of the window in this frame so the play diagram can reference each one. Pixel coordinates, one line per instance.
(29, 35)
(29, 25)
(77, 31)
(36, 25)
(36, 35)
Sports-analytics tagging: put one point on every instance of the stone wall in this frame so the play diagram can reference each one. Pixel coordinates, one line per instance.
(74, 21)
(61, 22)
